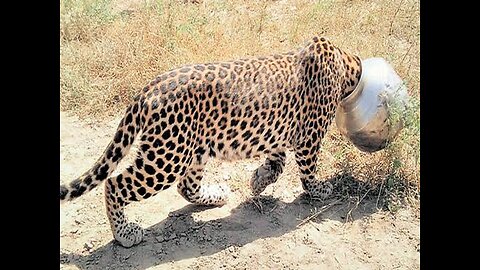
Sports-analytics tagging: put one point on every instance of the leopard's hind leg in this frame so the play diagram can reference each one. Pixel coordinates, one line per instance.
(158, 166)
(194, 191)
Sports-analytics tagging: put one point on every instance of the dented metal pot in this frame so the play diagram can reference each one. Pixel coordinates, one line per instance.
(373, 114)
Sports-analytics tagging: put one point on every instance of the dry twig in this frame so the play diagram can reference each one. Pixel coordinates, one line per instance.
(349, 214)
(323, 209)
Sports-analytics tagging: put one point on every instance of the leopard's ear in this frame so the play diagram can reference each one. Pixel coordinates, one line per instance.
(315, 48)
(319, 38)
(306, 53)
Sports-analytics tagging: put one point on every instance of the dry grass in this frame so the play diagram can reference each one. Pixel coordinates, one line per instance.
(111, 48)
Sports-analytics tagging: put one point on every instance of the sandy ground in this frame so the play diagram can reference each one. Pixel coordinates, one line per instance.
(282, 230)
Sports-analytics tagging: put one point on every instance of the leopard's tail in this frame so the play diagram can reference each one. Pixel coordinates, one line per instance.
(126, 132)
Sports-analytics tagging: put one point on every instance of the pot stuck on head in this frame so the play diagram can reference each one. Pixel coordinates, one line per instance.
(373, 114)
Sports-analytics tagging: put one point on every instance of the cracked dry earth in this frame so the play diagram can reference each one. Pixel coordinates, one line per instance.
(282, 230)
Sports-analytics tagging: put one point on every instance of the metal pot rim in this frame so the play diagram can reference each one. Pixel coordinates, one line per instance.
(358, 89)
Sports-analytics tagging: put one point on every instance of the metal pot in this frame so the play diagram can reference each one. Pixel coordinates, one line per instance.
(373, 114)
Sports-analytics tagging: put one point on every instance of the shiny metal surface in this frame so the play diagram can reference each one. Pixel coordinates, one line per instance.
(372, 115)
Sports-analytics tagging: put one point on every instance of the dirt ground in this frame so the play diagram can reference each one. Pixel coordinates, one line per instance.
(284, 229)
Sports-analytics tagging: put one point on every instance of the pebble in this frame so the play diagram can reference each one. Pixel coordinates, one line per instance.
(160, 239)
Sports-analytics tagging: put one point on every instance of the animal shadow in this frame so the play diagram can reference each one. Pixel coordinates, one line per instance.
(181, 236)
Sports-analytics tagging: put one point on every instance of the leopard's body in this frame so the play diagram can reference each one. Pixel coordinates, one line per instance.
(228, 110)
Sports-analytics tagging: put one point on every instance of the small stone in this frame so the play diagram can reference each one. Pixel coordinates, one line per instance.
(89, 246)
(183, 234)
(160, 238)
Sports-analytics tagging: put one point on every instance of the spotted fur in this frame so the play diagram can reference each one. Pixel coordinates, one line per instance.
(228, 110)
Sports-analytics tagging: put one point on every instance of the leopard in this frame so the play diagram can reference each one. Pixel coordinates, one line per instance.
(252, 107)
